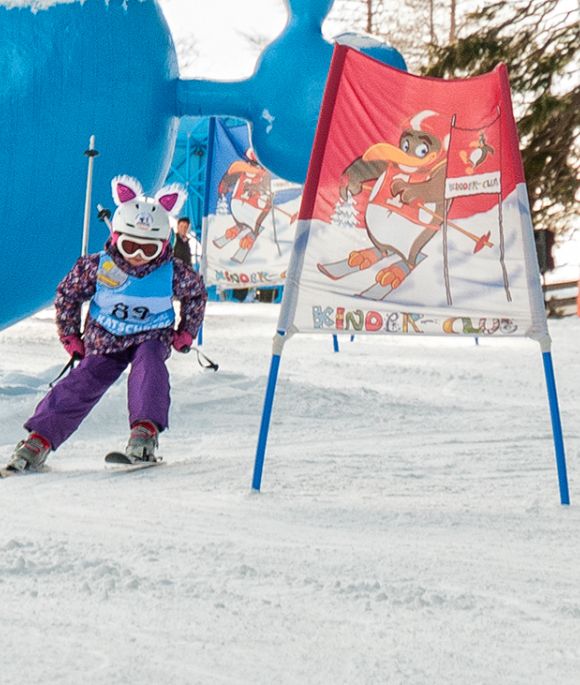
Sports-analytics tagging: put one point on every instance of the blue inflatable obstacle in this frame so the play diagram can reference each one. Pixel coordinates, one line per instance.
(108, 68)
(68, 72)
(282, 98)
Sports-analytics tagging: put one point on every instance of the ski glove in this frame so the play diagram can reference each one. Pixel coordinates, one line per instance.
(182, 341)
(73, 345)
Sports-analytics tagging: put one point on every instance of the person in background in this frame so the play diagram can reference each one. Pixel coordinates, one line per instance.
(181, 249)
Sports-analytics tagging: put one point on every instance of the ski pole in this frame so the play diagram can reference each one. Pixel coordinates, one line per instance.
(292, 217)
(91, 153)
(480, 241)
(67, 367)
(104, 215)
(209, 365)
(275, 231)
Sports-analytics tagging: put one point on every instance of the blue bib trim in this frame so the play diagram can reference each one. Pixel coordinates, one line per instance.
(125, 305)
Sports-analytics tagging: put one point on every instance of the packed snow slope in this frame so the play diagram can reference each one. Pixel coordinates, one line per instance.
(409, 529)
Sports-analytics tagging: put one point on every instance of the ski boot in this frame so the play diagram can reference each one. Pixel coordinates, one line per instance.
(30, 454)
(142, 442)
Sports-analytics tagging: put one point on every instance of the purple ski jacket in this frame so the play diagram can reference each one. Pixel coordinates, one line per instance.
(80, 284)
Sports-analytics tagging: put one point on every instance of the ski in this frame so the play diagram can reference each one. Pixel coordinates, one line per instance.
(378, 292)
(241, 254)
(124, 464)
(340, 269)
(5, 472)
(222, 241)
(337, 270)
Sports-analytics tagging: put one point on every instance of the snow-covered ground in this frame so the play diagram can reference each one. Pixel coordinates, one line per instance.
(409, 529)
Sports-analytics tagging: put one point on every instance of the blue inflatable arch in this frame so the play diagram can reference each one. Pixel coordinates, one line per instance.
(108, 68)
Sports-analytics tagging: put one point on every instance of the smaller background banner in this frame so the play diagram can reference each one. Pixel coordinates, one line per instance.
(250, 215)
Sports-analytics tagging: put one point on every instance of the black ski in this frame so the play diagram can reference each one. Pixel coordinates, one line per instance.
(121, 460)
(5, 472)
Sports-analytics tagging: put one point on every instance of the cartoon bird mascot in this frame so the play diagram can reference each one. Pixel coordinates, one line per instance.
(251, 200)
(406, 203)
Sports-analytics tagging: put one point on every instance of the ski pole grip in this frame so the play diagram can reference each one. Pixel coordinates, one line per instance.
(104, 213)
(91, 152)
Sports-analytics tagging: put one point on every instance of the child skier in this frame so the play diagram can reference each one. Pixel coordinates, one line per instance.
(130, 285)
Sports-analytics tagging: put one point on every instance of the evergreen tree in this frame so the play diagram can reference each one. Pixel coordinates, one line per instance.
(538, 40)
(345, 213)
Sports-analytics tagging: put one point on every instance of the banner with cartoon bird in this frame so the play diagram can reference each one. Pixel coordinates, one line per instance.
(250, 214)
(415, 216)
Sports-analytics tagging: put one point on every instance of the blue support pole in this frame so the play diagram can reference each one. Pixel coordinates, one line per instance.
(265, 422)
(556, 428)
(200, 336)
(335, 343)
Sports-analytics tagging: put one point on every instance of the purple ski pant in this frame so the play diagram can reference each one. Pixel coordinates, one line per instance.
(62, 411)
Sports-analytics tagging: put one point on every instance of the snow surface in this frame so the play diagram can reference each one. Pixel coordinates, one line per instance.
(408, 531)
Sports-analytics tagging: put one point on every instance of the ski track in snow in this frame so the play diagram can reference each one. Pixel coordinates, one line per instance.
(408, 531)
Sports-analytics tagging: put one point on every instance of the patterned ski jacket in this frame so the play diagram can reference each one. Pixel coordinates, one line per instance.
(80, 285)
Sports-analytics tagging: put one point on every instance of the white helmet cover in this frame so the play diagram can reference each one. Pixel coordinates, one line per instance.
(141, 216)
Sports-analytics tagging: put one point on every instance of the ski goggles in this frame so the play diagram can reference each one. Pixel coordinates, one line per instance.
(129, 247)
